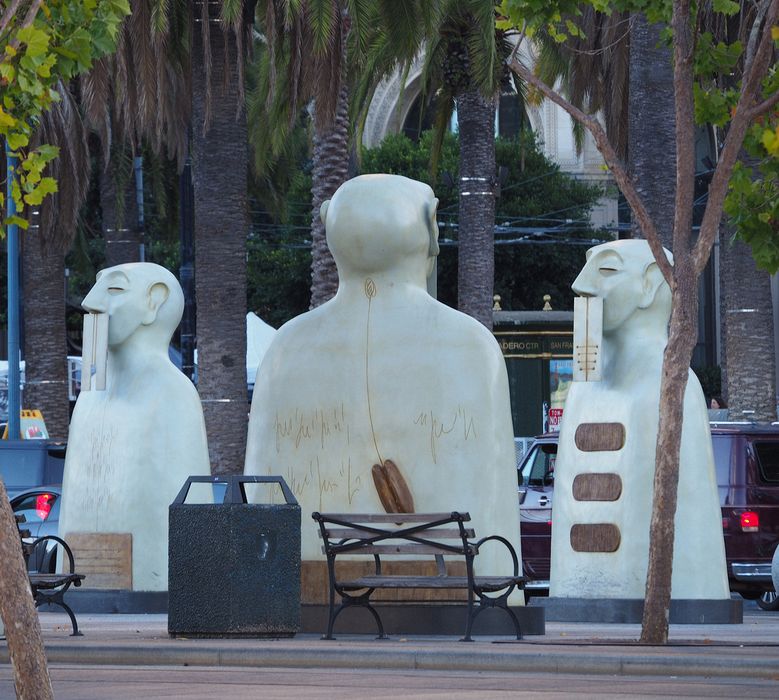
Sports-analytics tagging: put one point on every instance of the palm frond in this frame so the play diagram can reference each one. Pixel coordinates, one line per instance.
(63, 127)
(322, 18)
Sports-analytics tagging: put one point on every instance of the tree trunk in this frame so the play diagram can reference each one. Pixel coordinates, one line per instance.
(476, 237)
(330, 169)
(22, 627)
(749, 373)
(219, 163)
(120, 222)
(651, 126)
(676, 362)
(45, 338)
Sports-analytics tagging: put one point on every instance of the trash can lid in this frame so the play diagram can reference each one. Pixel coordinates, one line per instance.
(236, 489)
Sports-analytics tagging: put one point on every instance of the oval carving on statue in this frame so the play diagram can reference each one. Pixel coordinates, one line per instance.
(595, 537)
(597, 487)
(600, 437)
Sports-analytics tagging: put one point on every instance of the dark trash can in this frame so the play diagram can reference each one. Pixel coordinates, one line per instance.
(234, 566)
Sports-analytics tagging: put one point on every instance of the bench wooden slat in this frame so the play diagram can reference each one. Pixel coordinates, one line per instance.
(356, 518)
(485, 583)
(409, 548)
(432, 533)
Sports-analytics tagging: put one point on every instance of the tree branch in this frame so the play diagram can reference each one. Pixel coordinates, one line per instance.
(761, 108)
(618, 170)
(9, 14)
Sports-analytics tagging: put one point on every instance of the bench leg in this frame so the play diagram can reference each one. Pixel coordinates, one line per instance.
(41, 599)
(362, 601)
(471, 617)
(484, 603)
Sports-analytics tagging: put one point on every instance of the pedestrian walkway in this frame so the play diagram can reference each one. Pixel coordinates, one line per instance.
(750, 649)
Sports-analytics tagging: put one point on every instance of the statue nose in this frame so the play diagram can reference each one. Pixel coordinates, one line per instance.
(583, 287)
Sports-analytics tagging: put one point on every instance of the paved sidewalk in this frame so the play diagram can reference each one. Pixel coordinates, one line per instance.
(747, 650)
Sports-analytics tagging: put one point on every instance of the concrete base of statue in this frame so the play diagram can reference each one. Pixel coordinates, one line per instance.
(631, 610)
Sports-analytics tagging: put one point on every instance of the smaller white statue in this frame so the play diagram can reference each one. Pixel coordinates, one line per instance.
(606, 459)
(133, 444)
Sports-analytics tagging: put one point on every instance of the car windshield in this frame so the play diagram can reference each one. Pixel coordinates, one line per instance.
(539, 469)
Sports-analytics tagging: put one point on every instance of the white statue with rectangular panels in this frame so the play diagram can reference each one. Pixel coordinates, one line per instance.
(606, 458)
(138, 434)
(383, 398)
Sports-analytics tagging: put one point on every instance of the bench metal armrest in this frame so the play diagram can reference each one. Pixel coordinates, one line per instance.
(41, 557)
(477, 545)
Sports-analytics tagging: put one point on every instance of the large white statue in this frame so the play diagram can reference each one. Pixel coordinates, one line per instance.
(385, 375)
(606, 458)
(133, 444)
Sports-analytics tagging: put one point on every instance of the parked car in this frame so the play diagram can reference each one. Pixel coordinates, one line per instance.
(746, 458)
(40, 507)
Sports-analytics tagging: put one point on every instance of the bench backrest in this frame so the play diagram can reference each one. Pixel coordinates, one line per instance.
(395, 533)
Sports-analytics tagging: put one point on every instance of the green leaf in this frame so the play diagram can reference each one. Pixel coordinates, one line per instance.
(18, 220)
(727, 7)
(17, 140)
(36, 39)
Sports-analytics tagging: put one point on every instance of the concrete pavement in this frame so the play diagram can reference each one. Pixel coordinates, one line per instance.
(748, 650)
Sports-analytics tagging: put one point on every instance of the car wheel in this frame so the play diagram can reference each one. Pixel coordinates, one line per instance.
(750, 595)
(768, 601)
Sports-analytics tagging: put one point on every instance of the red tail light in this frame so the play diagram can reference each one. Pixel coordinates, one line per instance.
(750, 521)
(43, 505)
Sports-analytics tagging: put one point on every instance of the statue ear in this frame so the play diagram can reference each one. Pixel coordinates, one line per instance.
(155, 298)
(323, 210)
(653, 280)
(432, 228)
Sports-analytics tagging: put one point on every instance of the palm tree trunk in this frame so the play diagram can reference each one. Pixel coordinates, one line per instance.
(45, 340)
(220, 162)
(651, 125)
(120, 232)
(476, 254)
(330, 169)
(749, 375)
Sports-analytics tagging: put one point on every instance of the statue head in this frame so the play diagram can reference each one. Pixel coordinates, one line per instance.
(138, 297)
(377, 222)
(626, 276)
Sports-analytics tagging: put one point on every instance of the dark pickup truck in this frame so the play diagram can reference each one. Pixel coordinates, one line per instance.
(746, 457)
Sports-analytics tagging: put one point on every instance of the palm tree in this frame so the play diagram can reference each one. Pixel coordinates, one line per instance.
(180, 64)
(652, 151)
(312, 51)
(43, 267)
(466, 61)
(220, 163)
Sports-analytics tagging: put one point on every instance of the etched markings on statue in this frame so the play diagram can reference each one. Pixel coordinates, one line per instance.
(460, 421)
(321, 424)
(302, 483)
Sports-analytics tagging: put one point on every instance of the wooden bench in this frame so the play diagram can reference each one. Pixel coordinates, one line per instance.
(412, 534)
(48, 586)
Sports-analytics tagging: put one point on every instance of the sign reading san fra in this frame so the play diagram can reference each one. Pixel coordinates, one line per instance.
(529, 344)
